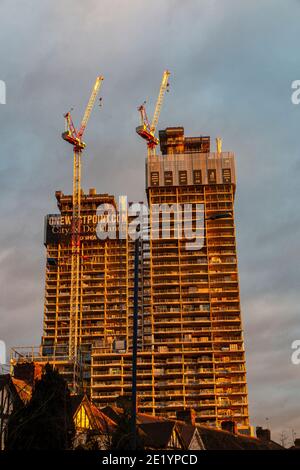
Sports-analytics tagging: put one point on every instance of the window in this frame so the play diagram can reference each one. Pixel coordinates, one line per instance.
(197, 176)
(211, 176)
(154, 178)
(226, 173)
(168, 178)
(182, 177)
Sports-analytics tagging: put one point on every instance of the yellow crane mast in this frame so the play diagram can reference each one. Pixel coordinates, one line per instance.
(74, 137)
(147, 130)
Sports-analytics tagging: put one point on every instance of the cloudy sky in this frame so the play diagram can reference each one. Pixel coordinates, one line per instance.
(232, 66)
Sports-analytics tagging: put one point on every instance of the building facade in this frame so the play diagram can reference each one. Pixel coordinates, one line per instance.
(191, 351)
(195, 315)
(105, 285)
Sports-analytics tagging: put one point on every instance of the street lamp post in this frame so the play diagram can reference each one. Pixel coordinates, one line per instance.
(134, 342)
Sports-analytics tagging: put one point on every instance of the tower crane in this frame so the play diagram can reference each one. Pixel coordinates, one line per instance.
(147, 130)
(74, 137)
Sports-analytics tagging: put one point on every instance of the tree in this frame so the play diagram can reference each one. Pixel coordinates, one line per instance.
(46, 422)
(121, 438)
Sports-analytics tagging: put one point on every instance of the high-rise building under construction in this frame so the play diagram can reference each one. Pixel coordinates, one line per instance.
(198, 358)
(191, 352)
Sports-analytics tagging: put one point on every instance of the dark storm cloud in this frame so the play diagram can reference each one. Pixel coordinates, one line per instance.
(232, 65)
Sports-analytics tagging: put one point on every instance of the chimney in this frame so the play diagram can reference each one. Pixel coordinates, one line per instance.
(187, 415)
(263, 434)
(92, 192)
(229, 426)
